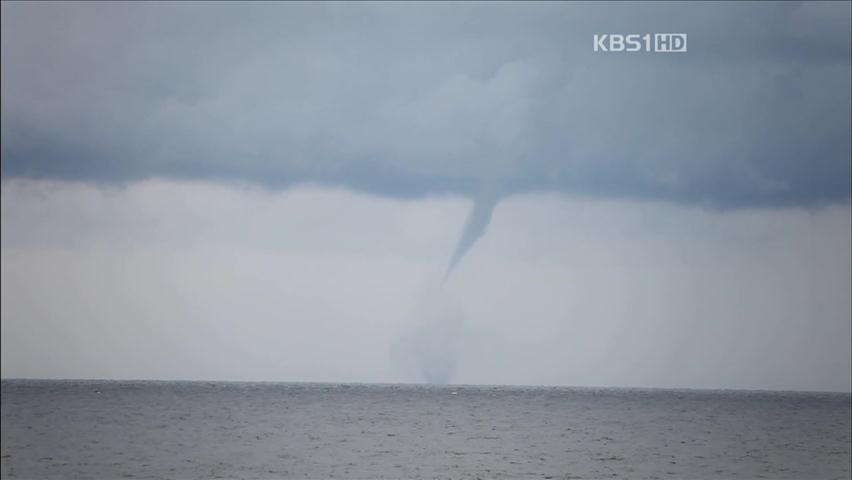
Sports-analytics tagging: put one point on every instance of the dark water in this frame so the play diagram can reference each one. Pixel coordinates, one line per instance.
(72, 429)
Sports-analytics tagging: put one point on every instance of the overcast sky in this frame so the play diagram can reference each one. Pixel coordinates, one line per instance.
(276, 191)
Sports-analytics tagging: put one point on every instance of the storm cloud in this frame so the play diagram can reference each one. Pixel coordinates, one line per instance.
(410, 100)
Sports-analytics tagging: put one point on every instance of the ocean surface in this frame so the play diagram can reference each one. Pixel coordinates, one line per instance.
(100, 429)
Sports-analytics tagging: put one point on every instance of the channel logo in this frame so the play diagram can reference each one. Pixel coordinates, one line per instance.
(636, 42)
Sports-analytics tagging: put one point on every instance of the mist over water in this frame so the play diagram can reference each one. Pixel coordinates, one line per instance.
(431, 351)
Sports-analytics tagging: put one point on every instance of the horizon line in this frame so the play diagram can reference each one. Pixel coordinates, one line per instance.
(426, 384)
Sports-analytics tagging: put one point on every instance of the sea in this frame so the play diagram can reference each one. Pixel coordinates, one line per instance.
(193, 430)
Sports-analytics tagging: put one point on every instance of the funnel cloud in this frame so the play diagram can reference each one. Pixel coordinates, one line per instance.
(474, 227)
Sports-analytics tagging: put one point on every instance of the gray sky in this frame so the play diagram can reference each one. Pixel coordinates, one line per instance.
(274, 191)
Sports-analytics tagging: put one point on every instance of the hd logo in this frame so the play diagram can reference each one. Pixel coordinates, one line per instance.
(635, 42)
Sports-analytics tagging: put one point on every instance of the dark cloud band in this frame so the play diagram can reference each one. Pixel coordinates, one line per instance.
(412, 100)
